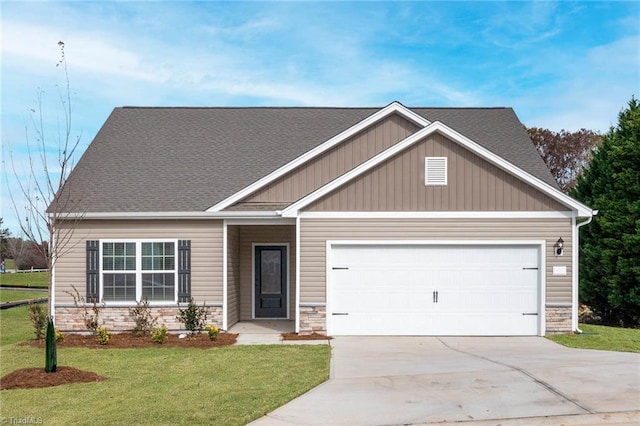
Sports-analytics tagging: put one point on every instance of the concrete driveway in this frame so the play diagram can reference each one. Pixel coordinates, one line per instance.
(516, 380)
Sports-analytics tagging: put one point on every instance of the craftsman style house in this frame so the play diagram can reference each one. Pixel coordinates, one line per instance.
(345, 221)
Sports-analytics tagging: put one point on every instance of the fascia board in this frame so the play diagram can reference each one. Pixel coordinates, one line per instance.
(393, 108)
(170, 215)
(293, 209)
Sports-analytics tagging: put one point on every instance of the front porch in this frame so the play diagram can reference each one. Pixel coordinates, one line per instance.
(259, 280)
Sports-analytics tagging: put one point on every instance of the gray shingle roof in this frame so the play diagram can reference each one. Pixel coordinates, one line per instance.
(188, 159)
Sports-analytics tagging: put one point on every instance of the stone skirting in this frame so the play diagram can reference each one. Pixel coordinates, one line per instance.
(120, 318)
(313, 319)
(558, 319)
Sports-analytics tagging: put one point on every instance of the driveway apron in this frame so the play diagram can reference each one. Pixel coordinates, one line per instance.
(416, 380)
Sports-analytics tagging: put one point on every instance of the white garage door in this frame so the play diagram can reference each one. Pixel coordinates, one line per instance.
(433, 290)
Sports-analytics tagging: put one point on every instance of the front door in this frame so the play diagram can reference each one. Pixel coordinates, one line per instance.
(270, 281)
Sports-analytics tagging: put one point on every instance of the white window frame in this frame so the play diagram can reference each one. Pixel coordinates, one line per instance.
(439, 162)
(138, 270)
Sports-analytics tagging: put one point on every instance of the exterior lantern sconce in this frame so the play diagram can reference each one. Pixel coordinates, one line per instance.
(558, 247)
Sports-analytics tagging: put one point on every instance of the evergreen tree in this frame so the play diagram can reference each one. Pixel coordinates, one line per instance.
(610, 245)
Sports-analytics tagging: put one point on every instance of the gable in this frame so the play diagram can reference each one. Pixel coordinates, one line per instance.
(316, 172)
(473, 184)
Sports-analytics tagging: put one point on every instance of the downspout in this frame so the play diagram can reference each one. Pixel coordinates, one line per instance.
(576, 247)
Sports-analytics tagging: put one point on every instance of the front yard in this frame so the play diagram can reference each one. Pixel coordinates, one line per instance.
(159, 385)
(601, 337)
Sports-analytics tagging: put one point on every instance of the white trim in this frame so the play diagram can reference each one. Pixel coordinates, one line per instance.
(440, 215)
(257, 215)
(138, 271)
(225, 279)
(297, 307)
(276, 221)
(253, 280)
(582, 210)
(52, 290)
(540, 244)
(438, 242)
(574, 274)
(393, 108)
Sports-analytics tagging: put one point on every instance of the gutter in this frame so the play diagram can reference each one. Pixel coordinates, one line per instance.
(576, 247)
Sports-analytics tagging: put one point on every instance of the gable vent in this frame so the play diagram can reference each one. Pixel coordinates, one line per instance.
(435, 171)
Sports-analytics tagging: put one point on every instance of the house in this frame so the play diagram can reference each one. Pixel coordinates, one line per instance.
(346, 221)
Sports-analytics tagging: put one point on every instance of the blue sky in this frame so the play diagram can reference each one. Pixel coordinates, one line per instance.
(560, 65)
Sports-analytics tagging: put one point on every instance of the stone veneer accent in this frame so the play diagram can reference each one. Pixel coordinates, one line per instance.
(120, 319)
(313, 319)
(558, 319)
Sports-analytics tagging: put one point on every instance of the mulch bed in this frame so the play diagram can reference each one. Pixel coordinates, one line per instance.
(129, 340)
(312, 336)
(29, 378)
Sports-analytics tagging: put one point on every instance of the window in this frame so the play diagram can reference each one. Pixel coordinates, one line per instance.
(136, 270)
(435, 171)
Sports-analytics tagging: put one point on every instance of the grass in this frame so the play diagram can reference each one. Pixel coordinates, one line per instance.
(15, 295)
(26, 279)
(601, 337)
(160, 385)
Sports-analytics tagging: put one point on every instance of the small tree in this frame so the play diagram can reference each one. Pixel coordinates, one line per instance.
(610, 246)
(45, 220)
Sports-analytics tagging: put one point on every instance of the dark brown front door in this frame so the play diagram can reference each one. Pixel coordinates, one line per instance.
(271, 281)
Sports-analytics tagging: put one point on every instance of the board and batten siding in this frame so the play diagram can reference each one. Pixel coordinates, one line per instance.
(206, 252)
(233, 275)
(335, 162)
(264, 234)
(474, 184)
(315, 232)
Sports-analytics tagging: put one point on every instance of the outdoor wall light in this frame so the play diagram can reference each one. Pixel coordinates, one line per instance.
(558, 247)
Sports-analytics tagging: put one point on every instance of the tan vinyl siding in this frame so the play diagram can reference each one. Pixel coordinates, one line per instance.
(315, 232)
(206, 252)
(333, 163)
(473, 185)
(264, 235)
(233, 275)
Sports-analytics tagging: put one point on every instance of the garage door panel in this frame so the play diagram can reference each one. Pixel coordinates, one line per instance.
(434, 290)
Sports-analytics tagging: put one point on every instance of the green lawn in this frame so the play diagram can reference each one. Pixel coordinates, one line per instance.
(160, 385)
(601, 337)
(14, 295)
(26, 279)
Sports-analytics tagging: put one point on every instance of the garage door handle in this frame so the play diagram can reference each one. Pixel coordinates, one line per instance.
(529, 313)
(340, 313)
(435, 297)
(338, 268)
(530, 269)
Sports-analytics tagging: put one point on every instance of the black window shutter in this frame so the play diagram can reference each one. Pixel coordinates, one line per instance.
(184, 271)
(92, 270)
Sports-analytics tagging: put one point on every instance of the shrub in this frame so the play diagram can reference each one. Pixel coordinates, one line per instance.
(193, 317)
(159, 334)
(103, 336)
(213, 331)
(145, 322)
(91, 317)
(59, 336)
(38, 318)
